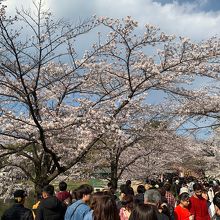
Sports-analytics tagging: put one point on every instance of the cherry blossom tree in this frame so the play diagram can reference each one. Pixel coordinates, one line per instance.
(140, 154)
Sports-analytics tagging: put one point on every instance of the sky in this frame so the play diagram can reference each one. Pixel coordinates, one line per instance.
(196, 19)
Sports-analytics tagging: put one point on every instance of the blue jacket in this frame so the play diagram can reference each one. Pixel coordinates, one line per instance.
(77, 211)
(89, 216)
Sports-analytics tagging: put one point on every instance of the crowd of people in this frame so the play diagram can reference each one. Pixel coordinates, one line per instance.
(176, 200)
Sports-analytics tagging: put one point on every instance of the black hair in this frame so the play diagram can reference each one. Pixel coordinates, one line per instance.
(197, 186)
(216, 200)
(143, 212)
(49, 189)
(167, 186)
(126, 189)
(141, 189)
(62, 186)
(84, 189)
(128, 182)
(184, 196)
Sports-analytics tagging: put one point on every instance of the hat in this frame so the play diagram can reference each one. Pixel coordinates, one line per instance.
(20, 193)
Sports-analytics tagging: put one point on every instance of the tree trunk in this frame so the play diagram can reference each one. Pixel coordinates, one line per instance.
(114, 174)
(39, 185)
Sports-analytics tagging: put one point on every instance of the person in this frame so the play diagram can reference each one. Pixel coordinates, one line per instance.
(139, 197)
(198, 205)
(175, 188)
(124, 191)
(206, 197)
(104, 208)
(63, 195)
(18, 211)
(143, 212)
(216, 202)
(128, 187)
(153, 197)
(36, 204)
(50, 207)
(127, 206)
(169, 196)
(79, 209)
(181, 211)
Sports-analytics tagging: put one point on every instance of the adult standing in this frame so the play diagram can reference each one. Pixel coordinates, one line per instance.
(181, 211)
(18, 211)
(216, 204)
(143, 212)
(104, 208)
(153, 197)
(63, 195)
(79, 209)
(50, 207)
(198, 205)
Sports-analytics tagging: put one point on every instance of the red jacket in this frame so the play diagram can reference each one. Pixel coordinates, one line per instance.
(199, 208)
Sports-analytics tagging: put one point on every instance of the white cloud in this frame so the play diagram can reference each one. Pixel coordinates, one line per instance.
(174, 18)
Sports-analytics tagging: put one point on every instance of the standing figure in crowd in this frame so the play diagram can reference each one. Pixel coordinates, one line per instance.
(216, 202)
(104, 208)
(144, 212)
(63, 195)
(50, 207)
(127, 206)
(153, 197)
(169, 196)
(36, 205)
(79, 209)
(181, 211)
(198, 205)
(128, 187)
(175, 188)
(18, 211)
(139, 197)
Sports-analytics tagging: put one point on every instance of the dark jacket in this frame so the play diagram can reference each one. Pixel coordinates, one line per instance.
(139, 198)
(161, 216)
(17, 212)
(51, 208)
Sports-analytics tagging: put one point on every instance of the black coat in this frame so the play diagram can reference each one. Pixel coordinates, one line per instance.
(51, 209)
(17, 212)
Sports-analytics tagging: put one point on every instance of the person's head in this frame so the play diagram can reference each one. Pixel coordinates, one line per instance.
(216, 202)
(19, 196)
(128, 183)
(162, 191)
(152, 196)
(197, 188)
(105, 208)
(167, 186)
(143, 212)
(126, 190)
(95, 196)
(184, 199)
(141, 189)
(62, 186)
(205, 194)
(84, 192)
(48, 191)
